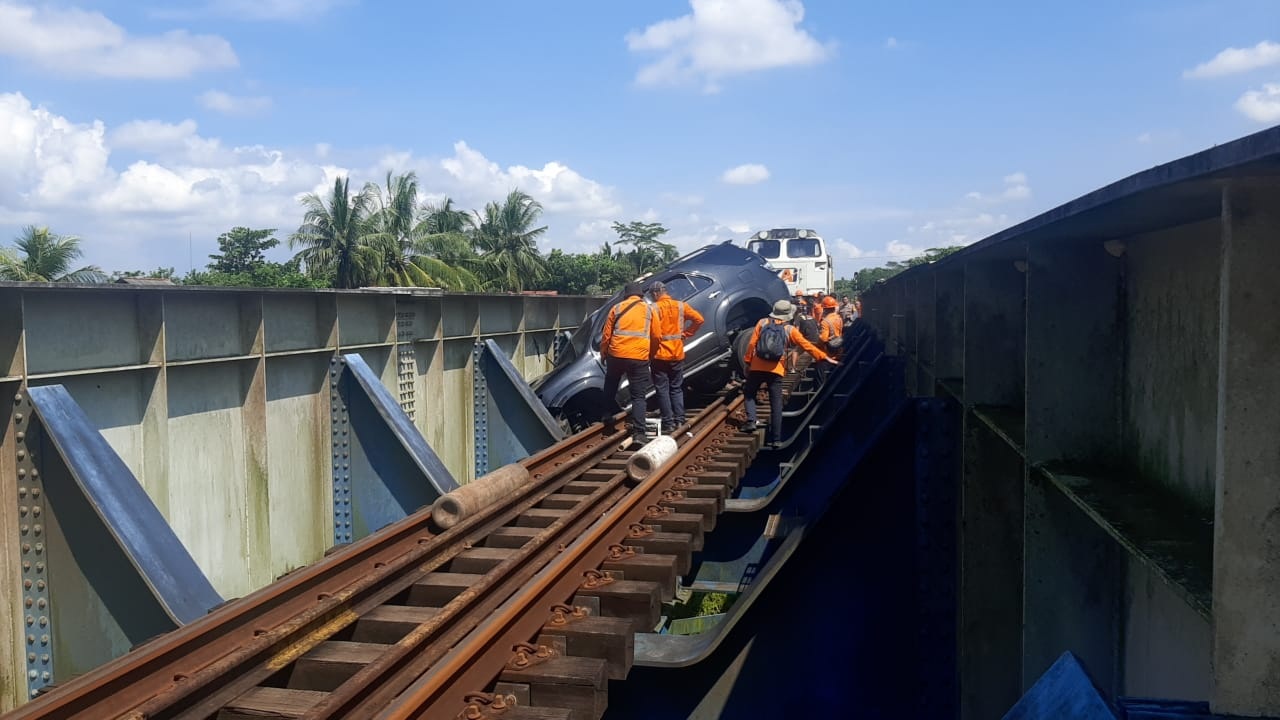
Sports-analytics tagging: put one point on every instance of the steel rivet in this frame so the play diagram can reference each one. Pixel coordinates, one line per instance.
(40, 585)
(28, 603)
(26, 547)
(22, 509)
(24, 529)
(44, 621)
(44, 676)
(44, 658)
(39, 567)
(30, 621)
(22, 472)
(44, 639)
(17, 418)
(26, 584)
(41, 603)
(33, 675)
(37, 529)
(21, 436)
(31, 639)
(36, 511)
(31, 657)
(22, 454)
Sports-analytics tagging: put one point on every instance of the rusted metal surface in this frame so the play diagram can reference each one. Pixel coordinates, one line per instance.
(528, 568)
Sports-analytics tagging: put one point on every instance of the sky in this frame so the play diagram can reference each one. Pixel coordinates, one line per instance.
(148, 128)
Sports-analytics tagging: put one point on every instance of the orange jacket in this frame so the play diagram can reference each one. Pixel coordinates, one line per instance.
(676, 321)
(630, 331)
(832, 327)
(778, 367)
(816, 310)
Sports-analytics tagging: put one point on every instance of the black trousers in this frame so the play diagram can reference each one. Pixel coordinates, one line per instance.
(637, 372)
(773, 382)
(668, 385)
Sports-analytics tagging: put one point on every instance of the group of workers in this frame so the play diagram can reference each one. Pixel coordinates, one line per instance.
(645, 343)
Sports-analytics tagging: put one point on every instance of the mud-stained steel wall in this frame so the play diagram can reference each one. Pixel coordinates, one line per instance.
(1120, 484)
(217, 400)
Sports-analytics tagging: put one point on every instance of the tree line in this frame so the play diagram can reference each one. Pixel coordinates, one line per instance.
(381, 235)
(389, 235)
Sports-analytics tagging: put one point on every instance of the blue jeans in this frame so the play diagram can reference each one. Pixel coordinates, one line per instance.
(668, 383)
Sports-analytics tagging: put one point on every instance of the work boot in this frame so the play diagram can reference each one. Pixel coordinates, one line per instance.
(638, 439)
(749, 426)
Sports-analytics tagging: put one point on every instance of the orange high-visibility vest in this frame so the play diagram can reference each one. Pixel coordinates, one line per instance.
(832, 327)
(676, 321)
(629, 331)
(778, 367)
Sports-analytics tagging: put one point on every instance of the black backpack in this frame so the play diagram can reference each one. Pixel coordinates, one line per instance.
(808, 327)
(772, 343)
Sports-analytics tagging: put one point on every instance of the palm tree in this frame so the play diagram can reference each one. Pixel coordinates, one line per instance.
(334, 237)
(508, 242)
(394, 231)
(46, 257)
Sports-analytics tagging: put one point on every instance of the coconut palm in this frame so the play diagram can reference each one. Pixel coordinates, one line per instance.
(395, 231)
(507, 241)
(42, 256)
(334, 237)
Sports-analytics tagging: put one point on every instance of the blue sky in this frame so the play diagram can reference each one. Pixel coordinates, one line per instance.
(888, 127)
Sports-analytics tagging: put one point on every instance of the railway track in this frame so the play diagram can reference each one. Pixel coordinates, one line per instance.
(524, 610)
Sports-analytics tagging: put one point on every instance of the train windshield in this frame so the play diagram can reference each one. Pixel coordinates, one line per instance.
(768, 249)
(804, 248)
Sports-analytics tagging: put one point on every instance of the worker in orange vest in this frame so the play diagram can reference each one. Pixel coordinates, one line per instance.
(677, 321)
(831, 330)
(815, 306)
(627, 343)
(764, 369)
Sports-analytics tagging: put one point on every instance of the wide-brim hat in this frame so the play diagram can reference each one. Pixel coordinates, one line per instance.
(782, 310)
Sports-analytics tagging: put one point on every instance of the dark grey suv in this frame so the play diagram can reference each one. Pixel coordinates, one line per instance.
(732, 287)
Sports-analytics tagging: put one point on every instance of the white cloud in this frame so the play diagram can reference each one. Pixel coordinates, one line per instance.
(748, 174)
(1015, 188)
(1261, 105)
(1144, 138)
(132, 211)
(1237, 60)
(843, 249)
(891, 43)
(80, 42)
(558, 187)
(721, 38)
(228, 104)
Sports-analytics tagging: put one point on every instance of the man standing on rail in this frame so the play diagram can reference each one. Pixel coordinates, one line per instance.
(676, 321)
(765, 353)
(627, 343)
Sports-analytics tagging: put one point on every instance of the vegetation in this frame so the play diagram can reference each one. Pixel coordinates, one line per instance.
(386, 235)
(41, 256)
(867, 278)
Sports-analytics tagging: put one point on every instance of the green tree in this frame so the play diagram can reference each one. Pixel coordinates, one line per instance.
(867, 278)
(395, 229)
(41, 256)
(648, 252)
(334, 238)
(163, 273)
(507, 241)
(242, 249)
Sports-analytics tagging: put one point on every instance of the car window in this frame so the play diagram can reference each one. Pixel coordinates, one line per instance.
(803, 247)
(769, 249)
(683, 287)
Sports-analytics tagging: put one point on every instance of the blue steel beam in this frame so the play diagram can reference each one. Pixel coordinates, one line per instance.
(510, 422)
(101, 551)
(383, 469)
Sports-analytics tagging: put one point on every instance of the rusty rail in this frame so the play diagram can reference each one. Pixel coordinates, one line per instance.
(565, 540)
